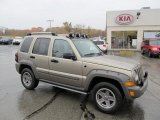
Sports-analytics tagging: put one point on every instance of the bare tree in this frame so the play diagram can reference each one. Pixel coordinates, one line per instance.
(67, 26)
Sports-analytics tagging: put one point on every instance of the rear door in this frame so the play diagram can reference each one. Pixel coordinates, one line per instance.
(64, 71)
(39, 56)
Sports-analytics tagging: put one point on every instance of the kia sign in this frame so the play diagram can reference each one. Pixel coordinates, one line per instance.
(124, 19)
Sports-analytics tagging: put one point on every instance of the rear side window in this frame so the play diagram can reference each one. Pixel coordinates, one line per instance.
(26, 44)
(41, 46)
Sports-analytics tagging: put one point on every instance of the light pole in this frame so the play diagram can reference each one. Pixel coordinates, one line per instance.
(50, 23)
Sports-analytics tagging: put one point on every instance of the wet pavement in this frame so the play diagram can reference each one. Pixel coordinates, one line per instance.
(49, 103)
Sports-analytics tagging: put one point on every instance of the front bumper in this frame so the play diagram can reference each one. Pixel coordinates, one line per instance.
(138, 90)
(156, 52)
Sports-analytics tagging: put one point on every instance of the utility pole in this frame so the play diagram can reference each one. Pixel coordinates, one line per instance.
(50, 23)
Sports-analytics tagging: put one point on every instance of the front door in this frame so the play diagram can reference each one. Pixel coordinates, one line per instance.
(64, 71)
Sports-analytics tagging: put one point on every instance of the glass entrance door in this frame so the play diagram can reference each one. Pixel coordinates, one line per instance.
(124, 40)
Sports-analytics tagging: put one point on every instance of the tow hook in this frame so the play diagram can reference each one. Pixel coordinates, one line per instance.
(146, 75)
(87, 114)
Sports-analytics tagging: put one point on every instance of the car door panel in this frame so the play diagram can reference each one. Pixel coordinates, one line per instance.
(42, 66)
(65, 71)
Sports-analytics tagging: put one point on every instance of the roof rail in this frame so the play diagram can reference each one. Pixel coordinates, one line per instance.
(42, 33)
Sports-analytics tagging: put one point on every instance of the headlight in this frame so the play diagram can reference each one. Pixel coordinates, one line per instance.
(154, 48)
(135, 76)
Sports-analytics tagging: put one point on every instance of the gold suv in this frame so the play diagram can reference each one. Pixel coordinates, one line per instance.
(75, 63)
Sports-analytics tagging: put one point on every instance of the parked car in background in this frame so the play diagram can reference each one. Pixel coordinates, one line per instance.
(6, 40)
(17, 40)
(98, 38)
(101, 44)
(151, 47)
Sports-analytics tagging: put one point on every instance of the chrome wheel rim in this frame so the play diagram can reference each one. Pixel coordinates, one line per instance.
(27, 78)
(105, 98)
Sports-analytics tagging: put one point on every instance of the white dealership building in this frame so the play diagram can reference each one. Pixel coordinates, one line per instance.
(126, 29)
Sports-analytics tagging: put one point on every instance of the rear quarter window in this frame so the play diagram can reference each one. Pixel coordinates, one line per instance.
(26, 44)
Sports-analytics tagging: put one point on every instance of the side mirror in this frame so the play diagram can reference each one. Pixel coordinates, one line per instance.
(69, 56)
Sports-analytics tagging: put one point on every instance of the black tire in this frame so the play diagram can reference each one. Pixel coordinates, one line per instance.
(117, 95)
(32, 83)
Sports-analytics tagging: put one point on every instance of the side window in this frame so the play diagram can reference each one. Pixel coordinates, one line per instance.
(41, 46)
(60, 47)
(26, 44)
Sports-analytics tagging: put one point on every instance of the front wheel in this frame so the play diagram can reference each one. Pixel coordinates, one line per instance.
(28, 79)
(107, 98)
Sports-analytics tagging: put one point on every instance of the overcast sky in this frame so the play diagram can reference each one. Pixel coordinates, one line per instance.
(23, 14)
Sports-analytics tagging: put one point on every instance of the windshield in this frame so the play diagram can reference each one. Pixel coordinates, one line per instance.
(98, 42)
(87, 48)
(155, 42)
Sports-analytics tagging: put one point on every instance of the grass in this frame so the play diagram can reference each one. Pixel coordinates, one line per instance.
(126, 52)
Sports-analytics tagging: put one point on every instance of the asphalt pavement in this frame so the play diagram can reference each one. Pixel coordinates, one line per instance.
(49, 103)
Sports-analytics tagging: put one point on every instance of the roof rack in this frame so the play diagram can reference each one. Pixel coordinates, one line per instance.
(77, 35)
(42, 33)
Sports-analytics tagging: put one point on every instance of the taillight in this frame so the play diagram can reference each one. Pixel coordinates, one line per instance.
(16, 57)
(104, 45)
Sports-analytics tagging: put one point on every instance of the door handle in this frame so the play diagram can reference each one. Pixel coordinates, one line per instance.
(33, 57)
(55, 61)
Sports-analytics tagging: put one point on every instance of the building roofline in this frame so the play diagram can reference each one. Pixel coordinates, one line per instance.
(108, 11)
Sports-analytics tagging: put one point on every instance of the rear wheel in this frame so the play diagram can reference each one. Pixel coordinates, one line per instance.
(107, 98)
(28, 79)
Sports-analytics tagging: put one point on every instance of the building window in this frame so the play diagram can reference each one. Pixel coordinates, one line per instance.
(124, 40)
(151, 35)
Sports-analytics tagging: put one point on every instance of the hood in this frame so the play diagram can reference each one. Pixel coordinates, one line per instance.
(155, 46)
(113, 61)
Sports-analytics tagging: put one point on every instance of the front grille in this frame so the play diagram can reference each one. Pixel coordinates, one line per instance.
(140, 73)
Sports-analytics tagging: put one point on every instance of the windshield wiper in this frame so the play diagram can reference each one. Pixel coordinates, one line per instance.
(92, 54)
